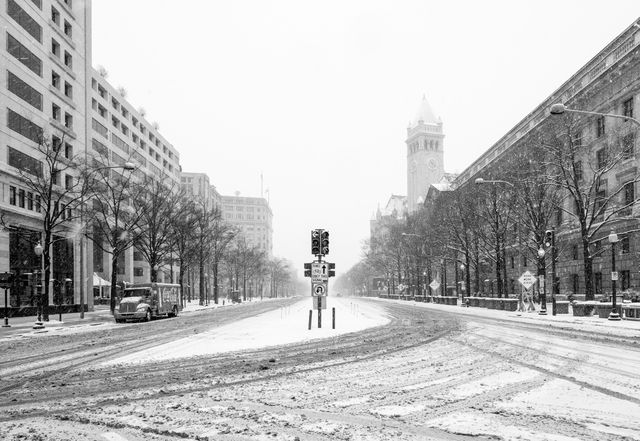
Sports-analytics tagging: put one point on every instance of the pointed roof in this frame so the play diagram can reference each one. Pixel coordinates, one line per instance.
(425, 114)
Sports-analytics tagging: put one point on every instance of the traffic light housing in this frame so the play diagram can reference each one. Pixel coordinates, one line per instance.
(315, 242)
(548, 238)
(325, 242)
(332, 267)
(307, 270)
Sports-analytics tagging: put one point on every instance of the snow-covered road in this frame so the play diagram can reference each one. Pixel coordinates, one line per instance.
(430, 372)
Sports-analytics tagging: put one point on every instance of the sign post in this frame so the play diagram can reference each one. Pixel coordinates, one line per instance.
(319, 271)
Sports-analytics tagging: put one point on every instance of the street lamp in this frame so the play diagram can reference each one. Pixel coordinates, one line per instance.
(613, 238)
(126, 166)
(38, 251)
(543, 290)
(560, 109)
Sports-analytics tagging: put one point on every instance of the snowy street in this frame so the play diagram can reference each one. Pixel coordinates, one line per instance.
(390, 370)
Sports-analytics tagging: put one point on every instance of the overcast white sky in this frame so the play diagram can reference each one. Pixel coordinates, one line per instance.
(317, 96)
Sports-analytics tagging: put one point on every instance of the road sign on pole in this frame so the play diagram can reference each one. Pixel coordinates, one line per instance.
(319, 272)
(319, 289)
(434, 285)
(527, 279)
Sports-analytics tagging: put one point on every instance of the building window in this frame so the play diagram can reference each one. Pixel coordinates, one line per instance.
(68, 60)
(68, 3)
(524, 260)
(625, 280)
(68, 151)
(23, 126)
(627, 107)
(25, 20)
(55, 16)
(102, 111)
(55, 48)
(38, 205)
(24, 55)
(601, 158)
(55, 111)
(512, 262)
(68, 121)
(38, 3)
(629, 193)
(576, 283)
(574, 252)
(577, 139)
(138, 271)
(24, 91)
(68, 90)
(12, 195)
(625, 245)
(67, 29)
(99, 128)
(600, 128)
(102, 92)
(558, 216)
(68, 182)
(30, 201)
(55, 80)
(597, 278)
(628, 145)
(577, 167)
(21, 198)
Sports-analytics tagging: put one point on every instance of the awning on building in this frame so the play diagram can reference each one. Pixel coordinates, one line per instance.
(99, 281)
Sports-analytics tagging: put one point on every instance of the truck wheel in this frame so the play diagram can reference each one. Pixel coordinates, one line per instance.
(147, 318)
(120, 320)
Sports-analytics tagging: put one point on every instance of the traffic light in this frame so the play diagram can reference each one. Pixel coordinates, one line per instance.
(548, 238)
(332, 267)
(315, 242)
(325, 242)
(307, 270)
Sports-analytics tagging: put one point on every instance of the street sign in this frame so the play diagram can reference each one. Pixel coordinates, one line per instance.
(319, 289)
(614, 275)
(5, 280)
(527, 279)
(434, 285)
(319, 272)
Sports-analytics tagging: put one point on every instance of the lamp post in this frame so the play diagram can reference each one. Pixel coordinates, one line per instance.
(38, 285)
(126, 166)
(560, 109)
(543, 290)
(613, 239)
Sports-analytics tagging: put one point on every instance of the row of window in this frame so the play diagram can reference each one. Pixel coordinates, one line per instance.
(118, 107)
(56, 18)
(22, 198)
(27, 22)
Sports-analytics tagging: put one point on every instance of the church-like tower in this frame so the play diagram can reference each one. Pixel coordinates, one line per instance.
(425, 154)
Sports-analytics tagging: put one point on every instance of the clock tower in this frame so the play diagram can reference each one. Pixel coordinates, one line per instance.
(424, 154)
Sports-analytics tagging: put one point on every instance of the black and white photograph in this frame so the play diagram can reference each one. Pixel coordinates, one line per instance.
(347, 220)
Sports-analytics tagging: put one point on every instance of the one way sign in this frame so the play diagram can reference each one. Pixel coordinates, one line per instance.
(319, 272)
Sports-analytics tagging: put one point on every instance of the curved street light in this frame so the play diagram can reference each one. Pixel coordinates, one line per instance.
(561, 109)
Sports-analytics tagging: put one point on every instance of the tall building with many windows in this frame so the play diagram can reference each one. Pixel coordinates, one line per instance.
(118, 134)
(253, 218)
(45, 55)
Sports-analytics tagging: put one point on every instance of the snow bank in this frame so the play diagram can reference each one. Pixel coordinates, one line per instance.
(278, 327)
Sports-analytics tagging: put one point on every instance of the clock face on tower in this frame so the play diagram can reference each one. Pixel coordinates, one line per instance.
(432, 164)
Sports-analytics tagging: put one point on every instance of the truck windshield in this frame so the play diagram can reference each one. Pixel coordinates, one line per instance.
(136, 292)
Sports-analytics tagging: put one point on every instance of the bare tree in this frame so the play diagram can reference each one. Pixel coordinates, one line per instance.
(113, 223)
(580, 162)
(157, 200)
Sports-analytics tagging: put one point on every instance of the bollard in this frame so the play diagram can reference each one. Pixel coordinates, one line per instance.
(310, 313)
(333, 312)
